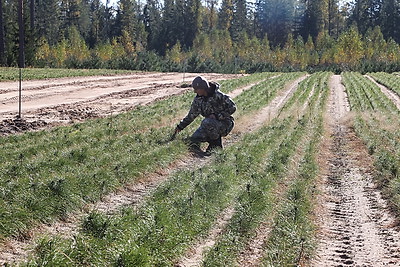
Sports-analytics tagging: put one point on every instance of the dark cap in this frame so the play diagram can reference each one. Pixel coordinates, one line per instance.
(200, 83)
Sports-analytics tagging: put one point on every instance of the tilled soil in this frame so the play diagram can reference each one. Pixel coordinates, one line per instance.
(355, 224)
(46, 103)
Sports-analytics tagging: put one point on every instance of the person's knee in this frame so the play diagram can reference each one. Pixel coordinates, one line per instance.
(208, 123)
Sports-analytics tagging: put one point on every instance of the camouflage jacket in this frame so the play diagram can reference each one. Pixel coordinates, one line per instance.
(217, 103)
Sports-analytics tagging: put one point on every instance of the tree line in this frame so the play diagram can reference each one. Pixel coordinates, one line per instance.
(210, 35)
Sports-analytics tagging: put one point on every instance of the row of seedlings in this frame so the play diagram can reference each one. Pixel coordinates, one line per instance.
(391, 81)
(292, 238)
(363, 93)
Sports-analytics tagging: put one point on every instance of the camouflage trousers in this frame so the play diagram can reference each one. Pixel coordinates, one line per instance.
(212, 129)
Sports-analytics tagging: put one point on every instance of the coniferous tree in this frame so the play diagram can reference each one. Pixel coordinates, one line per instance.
(129, 24)
(365, 14)
(276, 19)
(333, 20)
(167, 36)
(96, 23)
(48, 21)
(2, 41)
(239, 19)
(21, 37)
(390, 19)
(225, 15)
(316, 18)
(191, 21)
(152, 23)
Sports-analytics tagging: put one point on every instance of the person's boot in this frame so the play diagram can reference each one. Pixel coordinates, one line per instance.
(194, 147)
(214, 144)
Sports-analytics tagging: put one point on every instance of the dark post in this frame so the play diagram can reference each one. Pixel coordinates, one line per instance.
(21, 62)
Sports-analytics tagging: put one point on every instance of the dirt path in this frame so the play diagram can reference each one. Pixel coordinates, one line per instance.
(270, 111)
(389, 93)
(132, 194)
(55, 101)
(355, 225)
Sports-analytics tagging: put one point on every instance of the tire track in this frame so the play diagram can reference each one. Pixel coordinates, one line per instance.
(355, 225)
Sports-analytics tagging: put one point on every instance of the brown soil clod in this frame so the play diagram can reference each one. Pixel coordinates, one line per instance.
(17, 125)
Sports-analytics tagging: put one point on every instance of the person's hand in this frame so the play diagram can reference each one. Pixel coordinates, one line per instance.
(212, 116)
(177, 130)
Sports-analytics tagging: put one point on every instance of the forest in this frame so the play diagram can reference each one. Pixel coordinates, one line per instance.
(229, 36)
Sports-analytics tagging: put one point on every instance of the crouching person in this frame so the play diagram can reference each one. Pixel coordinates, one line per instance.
(216, 108)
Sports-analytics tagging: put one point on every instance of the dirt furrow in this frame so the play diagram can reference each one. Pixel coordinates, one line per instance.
(355, 225)
(389, 93)
(269, 112)
(194, 255)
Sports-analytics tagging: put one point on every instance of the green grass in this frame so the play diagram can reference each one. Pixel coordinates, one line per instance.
(46, 174)
(12, 74)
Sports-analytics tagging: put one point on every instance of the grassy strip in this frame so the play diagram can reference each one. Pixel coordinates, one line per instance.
(382, 138)
(253, 203)
(47, 174)
(389, 80)
(291, 240)
(257, 201)
(12, 74)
